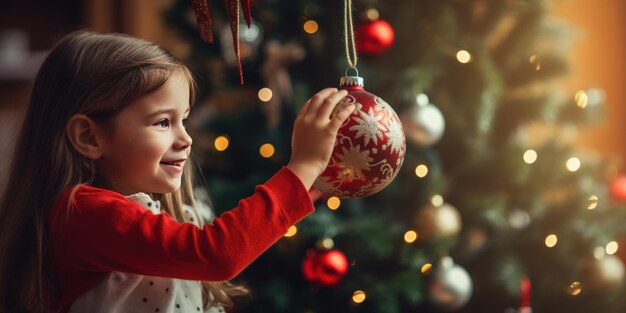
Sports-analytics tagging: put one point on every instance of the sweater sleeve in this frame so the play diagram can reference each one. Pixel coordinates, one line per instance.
(104, 232)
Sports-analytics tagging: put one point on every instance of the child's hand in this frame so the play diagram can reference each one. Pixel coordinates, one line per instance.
(314, 134)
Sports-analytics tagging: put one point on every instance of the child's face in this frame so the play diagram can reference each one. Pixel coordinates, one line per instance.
(149, 145)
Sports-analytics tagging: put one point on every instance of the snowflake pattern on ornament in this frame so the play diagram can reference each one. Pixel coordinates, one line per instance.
(395, 136)
(353, 162)
(369, 126)
(329, 186)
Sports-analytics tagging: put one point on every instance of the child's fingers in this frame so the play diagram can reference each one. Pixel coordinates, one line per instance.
(303, 109)
(341, 117)
(317, 100)
(329, 105)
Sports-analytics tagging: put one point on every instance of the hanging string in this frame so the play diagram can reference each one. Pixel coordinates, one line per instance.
(348, 34)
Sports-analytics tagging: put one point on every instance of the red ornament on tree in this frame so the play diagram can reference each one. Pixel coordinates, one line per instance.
(369, 149)
(618, 188)
(525, 292)
(374, 37)
(324, 267)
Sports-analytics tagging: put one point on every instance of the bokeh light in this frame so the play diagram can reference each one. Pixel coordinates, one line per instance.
(267, 150)
(333, 203)
(421, 170)
(310, 27)
(358, 296)
(572, 164)
(265, 94)
(530, 156)
(221, 143)
(291, 231)
(410, 236)
(551, 240)
(463, 56)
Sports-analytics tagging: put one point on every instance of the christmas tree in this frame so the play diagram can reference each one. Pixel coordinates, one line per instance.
(494, 209)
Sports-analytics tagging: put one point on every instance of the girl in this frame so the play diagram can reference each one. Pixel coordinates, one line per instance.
(98, 215)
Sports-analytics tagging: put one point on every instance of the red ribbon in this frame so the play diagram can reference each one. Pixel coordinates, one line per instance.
(203, 17)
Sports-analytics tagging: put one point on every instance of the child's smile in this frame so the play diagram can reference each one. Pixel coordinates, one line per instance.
(174, 166)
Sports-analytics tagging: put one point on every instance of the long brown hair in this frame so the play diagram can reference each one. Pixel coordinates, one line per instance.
(97, 75)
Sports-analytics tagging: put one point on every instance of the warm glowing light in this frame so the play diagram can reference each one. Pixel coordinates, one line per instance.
(358, 296)
(593, 202)
(575, 288)
(530, 156)
(421, 170)
(534, 60)
(221, 143)
(611, 247)
(267, 150)
(581, 99)
(573, 164)
(310, 27)
(372, 14)
(551, 240)
(426, 267)
(463, 56)
(422, 99)
(410, 236)
(333, 203)
(599, 252)
(291, 231)
(265, 94)
(436, 200)
(327, 243)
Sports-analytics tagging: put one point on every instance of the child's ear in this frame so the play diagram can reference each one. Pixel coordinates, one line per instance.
(82, 132)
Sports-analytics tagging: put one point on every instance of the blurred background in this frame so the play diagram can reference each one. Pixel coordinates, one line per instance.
(512, 193)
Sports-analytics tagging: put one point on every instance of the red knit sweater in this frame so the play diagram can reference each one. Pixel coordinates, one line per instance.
(104, 232)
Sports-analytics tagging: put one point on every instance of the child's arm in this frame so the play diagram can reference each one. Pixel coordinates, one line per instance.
(314, 134)
(105, 232)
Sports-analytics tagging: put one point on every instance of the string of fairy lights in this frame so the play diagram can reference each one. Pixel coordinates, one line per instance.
(530, 156)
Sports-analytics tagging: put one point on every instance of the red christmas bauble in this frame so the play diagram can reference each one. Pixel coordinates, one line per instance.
(324, 267)
(369, 149)
(618, 188)
(374, 37)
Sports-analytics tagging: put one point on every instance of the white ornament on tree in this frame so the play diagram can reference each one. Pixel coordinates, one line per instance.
(424, 123)
(607, 272)
(451, 286)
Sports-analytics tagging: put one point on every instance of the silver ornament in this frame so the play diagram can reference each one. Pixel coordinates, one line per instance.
(451, 286)
(607, 272)
(424, 123)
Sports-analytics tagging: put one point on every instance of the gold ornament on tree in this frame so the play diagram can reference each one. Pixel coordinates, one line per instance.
(438, 220)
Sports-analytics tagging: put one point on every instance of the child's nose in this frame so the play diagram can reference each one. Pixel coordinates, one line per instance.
(184, 140)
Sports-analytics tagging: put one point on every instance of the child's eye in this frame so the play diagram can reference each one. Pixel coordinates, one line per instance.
(185, 122)
(162, 123)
